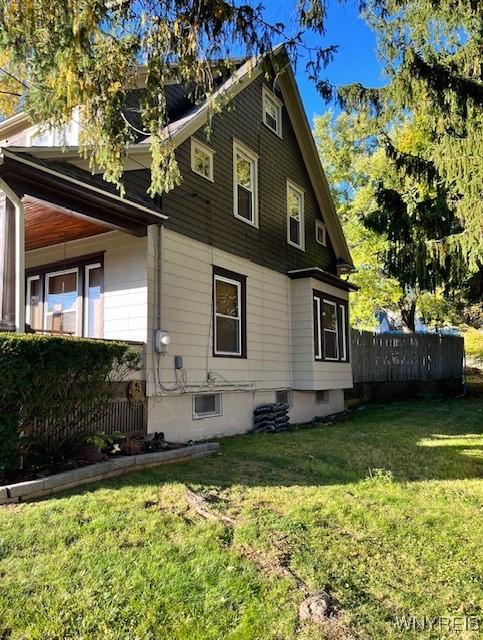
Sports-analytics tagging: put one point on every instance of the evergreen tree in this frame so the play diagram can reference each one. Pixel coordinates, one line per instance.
(88, 52)
(398, 228)
(432, 52)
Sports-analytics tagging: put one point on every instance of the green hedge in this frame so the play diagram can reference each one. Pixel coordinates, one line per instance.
(52, 380)
(474, 347)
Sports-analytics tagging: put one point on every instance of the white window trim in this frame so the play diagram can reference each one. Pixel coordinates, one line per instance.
(37, 131)
(336, 331)
(202, 147)
(28, 310)
(343, 355)
(78, 330)
(238, 285)
(251, 156)
(318, 328)
(87, 269)
(54, 133)
(212, 414)
(300, 191)
(267, 94)
(320, 226)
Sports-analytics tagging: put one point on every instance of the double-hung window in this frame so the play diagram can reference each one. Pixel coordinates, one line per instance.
(295, 216)
(62, 303)
(245, 183)
(66, 298)
(229, 313)
(330, 328)
(272, 111)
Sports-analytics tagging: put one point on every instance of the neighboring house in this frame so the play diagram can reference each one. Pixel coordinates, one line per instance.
(231, 281)
(390, 322)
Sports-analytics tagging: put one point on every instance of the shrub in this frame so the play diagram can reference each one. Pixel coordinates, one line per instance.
(48, 384)
(474, 347)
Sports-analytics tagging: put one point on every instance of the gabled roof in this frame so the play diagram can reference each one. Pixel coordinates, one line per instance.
(188, 118)
(186, 126)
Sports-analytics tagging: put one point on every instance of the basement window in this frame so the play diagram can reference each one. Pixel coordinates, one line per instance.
(321, 397)
(283, 396)
(207, 405)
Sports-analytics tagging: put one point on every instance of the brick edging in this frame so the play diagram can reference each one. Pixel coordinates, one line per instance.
(41, 487)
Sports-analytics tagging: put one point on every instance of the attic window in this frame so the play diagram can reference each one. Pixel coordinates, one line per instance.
(66, 135)
(272, 111)
(321, 233)
(201, 159)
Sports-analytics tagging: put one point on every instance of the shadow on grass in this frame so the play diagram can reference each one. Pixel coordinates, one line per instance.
(412, 440)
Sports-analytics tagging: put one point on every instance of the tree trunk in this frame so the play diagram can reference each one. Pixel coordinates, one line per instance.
(408, 317)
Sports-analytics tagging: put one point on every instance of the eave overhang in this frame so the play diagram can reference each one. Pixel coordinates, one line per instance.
(323, 276)
(26, 177)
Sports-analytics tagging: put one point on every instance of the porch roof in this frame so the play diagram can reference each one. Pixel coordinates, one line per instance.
(72, 188)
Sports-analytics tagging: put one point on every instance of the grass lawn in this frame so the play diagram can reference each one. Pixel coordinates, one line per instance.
(384, 510)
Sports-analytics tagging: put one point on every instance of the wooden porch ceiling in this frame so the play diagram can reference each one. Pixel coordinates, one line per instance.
(47, 224)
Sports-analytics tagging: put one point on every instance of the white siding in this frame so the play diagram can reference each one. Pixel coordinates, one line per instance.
(279, 343)
(279, 331)
(307, 372)
(186, 314)
(125, 279)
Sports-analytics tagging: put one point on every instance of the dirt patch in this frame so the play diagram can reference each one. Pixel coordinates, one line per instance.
(318, 608)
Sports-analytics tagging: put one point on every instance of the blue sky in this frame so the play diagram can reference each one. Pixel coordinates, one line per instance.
(355, 60)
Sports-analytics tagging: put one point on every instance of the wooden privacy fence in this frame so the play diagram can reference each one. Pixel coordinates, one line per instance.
(119, 415)
(385, 365)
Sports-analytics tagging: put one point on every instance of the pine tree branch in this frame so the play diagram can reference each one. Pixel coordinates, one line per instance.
(441, 78)
(357, 97)
(414, 166)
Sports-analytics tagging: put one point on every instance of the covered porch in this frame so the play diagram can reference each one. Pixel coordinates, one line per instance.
(73, 254)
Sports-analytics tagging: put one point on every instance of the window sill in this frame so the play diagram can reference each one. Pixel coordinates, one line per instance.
(279, 135)
(197, 173)
(249, 222)
(228, 355)
(296, 246)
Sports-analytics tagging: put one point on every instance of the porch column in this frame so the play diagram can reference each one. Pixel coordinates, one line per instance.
(12, 260)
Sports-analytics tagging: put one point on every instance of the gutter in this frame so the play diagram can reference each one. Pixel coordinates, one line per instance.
(323, 276)
(4, 153)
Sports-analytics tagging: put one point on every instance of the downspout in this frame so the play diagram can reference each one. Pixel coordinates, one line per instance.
(159, 266)
(19, 255)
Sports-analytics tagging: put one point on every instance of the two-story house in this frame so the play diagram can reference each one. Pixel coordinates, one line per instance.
(231, 281)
